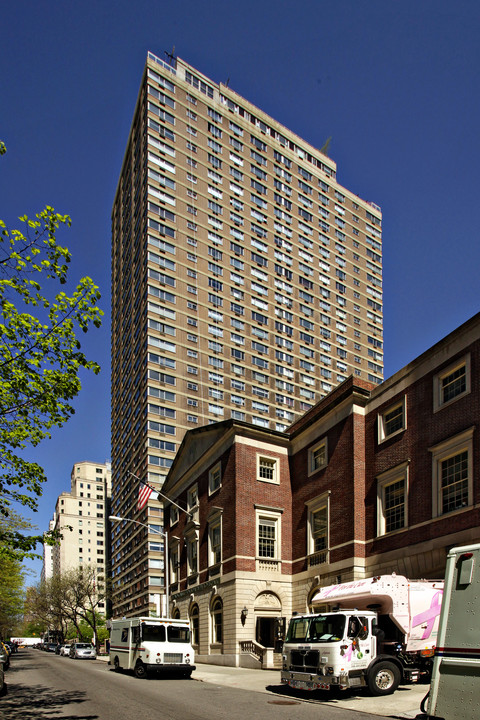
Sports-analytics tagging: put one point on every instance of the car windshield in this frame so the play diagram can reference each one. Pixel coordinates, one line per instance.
(320, 628)
(83, 646)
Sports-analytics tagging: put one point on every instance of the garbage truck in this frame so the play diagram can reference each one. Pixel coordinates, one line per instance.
(375, 633)
(146, 645)
(455, 686)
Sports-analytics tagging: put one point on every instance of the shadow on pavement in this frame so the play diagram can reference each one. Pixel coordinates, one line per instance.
(37, 701)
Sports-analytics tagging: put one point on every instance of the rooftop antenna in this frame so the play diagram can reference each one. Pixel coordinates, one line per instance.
(326, 146)
(171, 56)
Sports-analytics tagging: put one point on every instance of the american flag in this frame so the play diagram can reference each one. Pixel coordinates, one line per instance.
(144, 493)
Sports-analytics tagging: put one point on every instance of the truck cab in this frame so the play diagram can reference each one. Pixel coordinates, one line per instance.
(145, 645)
(339, 649)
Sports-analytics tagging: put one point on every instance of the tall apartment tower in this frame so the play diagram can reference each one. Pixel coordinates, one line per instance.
(84, 510)
(246, 283)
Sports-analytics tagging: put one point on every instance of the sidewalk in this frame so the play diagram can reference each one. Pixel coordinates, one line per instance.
(405, 703)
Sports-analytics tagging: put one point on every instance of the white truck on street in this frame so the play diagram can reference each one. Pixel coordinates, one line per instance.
(146, 645)
(455, 687)
(376, 633)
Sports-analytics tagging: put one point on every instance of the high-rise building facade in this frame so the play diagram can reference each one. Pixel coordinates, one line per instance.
(82, 517)
(246, 283)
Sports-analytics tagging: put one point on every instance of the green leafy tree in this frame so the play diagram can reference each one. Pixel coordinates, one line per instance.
(40, 353)
(69, 603)
(12, 578)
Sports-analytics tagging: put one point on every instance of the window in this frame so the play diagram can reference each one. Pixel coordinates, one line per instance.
(267, 538)
(392, 421)
(215, 478)
(392, 488)
(217, 621)
(215, 538)
(452, 473)
(318, 530)
(174, 561)
(192, 498)
(451, 384)
(317, 457)
(268, 535)
(173, 515)
(267, 469)
(192, 553)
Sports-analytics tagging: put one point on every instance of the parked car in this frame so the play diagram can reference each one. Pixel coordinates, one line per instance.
(51, 647)
(64, 649)
(82, 651)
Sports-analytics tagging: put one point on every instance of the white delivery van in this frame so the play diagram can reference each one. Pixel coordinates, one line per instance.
(146, 644)
(382, 631)
(455, 686)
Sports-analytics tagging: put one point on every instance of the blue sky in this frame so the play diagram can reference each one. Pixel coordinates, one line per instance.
(395, 83)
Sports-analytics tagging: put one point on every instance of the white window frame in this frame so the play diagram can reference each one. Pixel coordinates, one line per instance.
(382, 422)
(311, 456)
(275, 469)
(443, 451)
(174, 561)
(313, 506)
(192, 497)
(191, 539)
(384, 480)
(438, 402)
(214, 521)
(173, 515)
(215, 471)
(274, 516)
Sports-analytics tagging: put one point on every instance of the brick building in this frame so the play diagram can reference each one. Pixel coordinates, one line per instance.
(373, 479)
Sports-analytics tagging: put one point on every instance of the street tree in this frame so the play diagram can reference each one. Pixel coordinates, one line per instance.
(12, 577)
(70, 602)
(40, 353)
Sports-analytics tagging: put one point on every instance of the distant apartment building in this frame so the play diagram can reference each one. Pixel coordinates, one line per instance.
(47, 566)
(372, 480)
(246, 284)
(85, 510)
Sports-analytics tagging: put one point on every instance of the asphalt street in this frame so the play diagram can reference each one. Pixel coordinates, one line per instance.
(44, 686)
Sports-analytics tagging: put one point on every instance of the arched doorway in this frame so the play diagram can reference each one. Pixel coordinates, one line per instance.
(269, 623)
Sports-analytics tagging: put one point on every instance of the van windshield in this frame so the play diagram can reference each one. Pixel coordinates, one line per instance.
(153, 633)
(178, 633)
(320, 628)
(156, 633)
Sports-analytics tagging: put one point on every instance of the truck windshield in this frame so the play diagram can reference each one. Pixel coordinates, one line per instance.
(153, 633)
(320, 628)
(178, 633)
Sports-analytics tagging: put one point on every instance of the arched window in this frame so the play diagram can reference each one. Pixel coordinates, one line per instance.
(195, 624)
(176, 613)
(217, 621)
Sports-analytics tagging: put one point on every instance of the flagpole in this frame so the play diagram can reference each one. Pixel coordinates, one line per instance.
(117, 518)
(159, 492)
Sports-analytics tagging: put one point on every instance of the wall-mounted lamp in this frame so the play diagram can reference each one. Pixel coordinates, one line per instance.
(243, 615)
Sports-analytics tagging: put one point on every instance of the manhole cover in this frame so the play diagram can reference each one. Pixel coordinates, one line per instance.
(283, 702)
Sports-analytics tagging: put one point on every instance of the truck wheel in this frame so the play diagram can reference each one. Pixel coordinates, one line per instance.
(116, 665)
(384, 678)
(140, 670)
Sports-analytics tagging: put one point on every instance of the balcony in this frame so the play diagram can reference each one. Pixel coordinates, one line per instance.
(318, 558)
